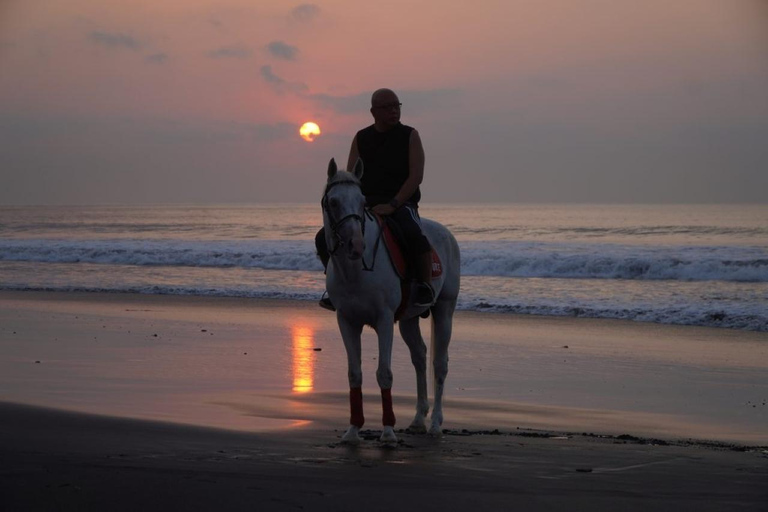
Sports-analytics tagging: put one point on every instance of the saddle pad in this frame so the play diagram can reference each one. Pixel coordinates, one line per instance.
(399, 263)
(397, 256)
(393, 248)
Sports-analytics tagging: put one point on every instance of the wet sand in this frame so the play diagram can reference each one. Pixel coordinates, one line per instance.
(66, 461)
(199, 403)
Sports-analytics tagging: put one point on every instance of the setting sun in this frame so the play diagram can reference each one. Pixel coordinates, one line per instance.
(309, 131)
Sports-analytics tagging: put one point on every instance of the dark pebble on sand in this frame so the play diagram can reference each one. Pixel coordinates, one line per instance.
(154, 335)
(317, 349)
(37, 362)
(203, 330)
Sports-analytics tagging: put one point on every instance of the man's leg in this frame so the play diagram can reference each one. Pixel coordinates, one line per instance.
(322, 251)
(419, 252)
(322, 247)
(425, 295)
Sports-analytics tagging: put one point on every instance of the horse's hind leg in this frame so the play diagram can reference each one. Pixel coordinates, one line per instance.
(409, 330)
(442, 316)
(351, 335)
(385, 331)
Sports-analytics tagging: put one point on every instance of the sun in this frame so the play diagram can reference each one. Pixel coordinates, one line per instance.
(309, 131)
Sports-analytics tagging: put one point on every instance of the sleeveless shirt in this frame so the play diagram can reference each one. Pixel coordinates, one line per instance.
(385, 163)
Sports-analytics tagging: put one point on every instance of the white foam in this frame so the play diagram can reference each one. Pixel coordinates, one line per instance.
(728, 317)
(505, 259)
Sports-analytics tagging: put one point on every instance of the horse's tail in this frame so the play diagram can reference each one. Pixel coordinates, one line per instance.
(431, 354)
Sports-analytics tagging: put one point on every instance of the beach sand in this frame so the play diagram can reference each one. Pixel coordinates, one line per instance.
(118, 402)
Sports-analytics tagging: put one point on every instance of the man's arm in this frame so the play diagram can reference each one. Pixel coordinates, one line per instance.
(415, 175)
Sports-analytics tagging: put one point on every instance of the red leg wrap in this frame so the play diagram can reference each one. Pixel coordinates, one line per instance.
(388, 418)
(356, 406)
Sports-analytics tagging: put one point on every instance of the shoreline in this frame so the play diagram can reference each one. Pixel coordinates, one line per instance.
(717, 320)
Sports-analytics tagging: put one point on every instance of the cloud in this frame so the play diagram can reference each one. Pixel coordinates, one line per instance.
(279, 84)
(231, 52)
(305, 12)
(416, 101)
(216, 22)
(282, 50)
(114, 40)
(343, 104)
(157, 58)
(18, 129)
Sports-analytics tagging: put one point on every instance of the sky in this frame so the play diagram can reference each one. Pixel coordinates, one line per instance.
(200, 101)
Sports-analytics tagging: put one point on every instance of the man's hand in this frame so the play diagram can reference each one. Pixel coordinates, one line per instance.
(384, 209)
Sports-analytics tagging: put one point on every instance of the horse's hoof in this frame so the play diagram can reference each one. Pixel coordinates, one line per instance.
(435, 430)
(351, 436)
(417, 428)
(388, 437)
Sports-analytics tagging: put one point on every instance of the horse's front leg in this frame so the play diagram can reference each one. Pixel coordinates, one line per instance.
(350, 333)
(385, 331)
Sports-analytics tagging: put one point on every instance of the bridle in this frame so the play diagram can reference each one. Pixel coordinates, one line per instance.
(336, 224)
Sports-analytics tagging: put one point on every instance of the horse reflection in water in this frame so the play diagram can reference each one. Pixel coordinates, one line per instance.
(366, 290)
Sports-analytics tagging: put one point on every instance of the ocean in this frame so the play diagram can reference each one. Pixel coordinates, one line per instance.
(703, 265)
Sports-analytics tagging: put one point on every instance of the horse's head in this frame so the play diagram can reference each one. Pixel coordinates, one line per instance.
(344, 210)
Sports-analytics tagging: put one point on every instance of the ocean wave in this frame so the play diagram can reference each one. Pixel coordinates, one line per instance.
(562, 232)
(693, 316)
(669, 315)
(503, 259)
(264, 254)
(603, 261)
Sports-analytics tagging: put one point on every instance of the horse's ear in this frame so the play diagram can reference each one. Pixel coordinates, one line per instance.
(358, 168)
(332, 168)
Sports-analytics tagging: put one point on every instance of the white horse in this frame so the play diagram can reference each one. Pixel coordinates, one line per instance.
(365, 290)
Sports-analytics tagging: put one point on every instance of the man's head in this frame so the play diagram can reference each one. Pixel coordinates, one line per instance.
(385, 108)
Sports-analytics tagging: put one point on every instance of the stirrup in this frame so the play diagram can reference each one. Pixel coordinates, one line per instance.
(431, 300)
(325, 302)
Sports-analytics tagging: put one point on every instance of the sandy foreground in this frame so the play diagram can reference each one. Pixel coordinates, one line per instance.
(119, 402)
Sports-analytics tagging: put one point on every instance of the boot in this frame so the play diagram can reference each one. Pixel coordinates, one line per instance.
(322, 253)
(325, 302)
(425, 295)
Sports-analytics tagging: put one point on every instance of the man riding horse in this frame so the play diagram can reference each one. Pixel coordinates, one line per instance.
(393, 158)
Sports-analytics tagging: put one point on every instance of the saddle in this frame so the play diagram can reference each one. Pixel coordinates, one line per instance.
(394, 242)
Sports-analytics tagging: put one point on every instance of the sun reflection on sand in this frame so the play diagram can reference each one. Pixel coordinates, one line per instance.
(303, 358)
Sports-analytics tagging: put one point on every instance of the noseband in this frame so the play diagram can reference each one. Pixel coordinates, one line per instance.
(338, 242)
